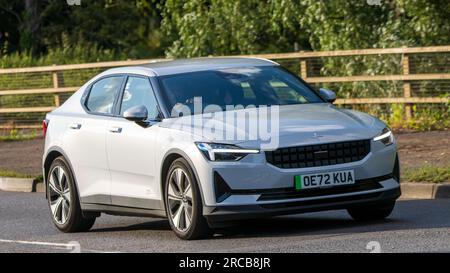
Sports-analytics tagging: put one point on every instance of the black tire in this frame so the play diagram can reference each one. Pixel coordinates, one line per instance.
(75, 222)
(198, 228)
(373, 212)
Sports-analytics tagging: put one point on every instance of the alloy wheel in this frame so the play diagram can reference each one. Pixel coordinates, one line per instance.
(180, 200)
(59, 195)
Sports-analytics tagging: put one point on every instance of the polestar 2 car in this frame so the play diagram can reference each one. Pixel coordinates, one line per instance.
(137, 141)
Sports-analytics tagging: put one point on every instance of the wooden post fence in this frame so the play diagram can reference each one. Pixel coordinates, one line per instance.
(57, 99)
(303, 68)
(406, 86)
(58, 87)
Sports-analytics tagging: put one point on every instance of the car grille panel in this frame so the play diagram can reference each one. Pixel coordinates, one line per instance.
(359, 186)
(319, 155)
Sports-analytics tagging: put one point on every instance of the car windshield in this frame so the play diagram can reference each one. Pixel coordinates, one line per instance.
(257, 86)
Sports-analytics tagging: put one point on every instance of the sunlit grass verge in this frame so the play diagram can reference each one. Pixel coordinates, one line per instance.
(17, 137)
(430, 174)
(14, 135)
(14, 174)
(6, 173)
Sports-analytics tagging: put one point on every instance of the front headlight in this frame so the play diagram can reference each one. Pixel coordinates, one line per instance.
(223, 152)
(386, 137)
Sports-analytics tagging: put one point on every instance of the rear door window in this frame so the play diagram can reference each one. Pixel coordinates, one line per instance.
(103, 94)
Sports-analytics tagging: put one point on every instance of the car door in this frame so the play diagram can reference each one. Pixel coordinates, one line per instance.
(130, 149)
(85, 140)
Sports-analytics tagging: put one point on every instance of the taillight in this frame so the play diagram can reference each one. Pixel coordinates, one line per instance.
(44, 127)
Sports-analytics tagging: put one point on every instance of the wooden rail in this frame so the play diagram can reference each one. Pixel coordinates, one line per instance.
(27, 109)
(405, 77)
(53, 68)
(356, 52)
(39, 91)
(277, 56)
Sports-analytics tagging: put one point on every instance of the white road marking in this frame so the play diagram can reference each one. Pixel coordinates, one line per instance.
(36, 243)
(69, 246)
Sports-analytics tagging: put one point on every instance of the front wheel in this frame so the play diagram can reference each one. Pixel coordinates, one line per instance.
(63, 199)
(183, 202)
(378, 211)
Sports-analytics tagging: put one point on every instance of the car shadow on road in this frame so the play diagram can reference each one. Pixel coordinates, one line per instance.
(408, 214)
(301, 225)
(157, 224)
(413, 214)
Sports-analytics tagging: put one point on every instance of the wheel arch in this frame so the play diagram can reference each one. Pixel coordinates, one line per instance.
(170, 157)
(52, 154)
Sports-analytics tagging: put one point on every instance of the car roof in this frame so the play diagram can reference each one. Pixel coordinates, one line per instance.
(201, 64)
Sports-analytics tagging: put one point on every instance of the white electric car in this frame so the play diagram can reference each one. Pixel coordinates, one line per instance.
(150, 140)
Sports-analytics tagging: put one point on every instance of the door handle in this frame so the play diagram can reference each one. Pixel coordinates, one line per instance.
(115, 129)
(75, 126)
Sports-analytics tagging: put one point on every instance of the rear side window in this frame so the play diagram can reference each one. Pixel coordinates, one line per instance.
(103, 94)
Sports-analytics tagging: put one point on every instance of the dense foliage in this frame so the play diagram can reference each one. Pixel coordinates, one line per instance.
(44, 32)
(96, 30)
(149, 28)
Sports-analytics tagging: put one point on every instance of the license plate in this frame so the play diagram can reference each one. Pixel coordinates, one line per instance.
(309, 181)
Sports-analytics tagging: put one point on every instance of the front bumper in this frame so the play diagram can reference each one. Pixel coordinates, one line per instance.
(218, 216)
(256, 188)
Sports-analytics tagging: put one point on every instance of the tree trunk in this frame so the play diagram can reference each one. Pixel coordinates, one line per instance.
(30, 36)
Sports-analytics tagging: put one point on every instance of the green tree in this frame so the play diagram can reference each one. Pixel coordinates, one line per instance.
(36, 26)
(219, 27)
(344, 24)
(223, 27)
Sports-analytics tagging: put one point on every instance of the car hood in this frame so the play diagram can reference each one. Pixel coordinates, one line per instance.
(299, 124)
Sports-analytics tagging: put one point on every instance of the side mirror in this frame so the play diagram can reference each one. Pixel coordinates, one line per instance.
(328, 95)
(136, 113)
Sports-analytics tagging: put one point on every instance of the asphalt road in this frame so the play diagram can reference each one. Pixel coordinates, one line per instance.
(415, 226)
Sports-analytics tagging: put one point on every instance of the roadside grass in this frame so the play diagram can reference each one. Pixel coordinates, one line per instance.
(15, 135)
(425, 119)
(430, 174)
(6, 173)
(14, 174)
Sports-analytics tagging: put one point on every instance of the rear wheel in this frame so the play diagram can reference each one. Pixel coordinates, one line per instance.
(183, 202)
(63, 199)
(373, 212)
